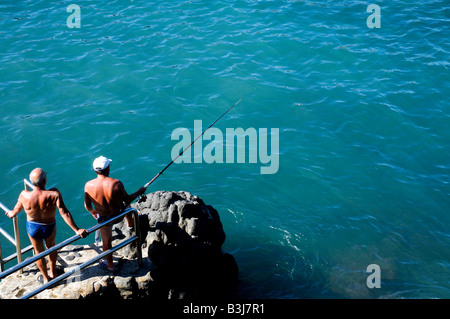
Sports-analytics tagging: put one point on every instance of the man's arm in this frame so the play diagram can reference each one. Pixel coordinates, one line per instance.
(17, 209)
(127, 199)
(88, 204)
(67, 216)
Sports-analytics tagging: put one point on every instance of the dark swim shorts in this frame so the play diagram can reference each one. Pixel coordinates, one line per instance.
(40, 230)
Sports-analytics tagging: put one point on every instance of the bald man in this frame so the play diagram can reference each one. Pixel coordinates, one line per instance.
(40, 206)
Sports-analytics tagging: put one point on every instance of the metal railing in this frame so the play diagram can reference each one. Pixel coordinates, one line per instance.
(16, 240)
(136, 238)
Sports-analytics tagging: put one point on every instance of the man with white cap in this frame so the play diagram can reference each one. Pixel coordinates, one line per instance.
(109, 198)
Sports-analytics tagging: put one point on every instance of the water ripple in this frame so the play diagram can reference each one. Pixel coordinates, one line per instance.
(362, 114)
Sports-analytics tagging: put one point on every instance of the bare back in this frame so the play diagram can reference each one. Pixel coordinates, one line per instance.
(40, 205)
(106, 194)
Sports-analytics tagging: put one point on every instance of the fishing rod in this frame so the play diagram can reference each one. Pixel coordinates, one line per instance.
(143, 197)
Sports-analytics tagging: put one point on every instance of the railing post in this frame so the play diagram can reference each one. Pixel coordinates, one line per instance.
(16, 241)
(138, 235)
(27, 185)
(1, 258)
(18, 245)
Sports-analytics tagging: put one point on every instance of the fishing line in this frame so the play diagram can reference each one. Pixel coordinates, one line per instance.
(144, 197)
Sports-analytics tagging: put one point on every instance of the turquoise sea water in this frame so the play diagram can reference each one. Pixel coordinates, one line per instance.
(363, 118)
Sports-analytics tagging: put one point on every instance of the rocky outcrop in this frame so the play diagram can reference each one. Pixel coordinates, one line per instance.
(184, 243)
(182, 257)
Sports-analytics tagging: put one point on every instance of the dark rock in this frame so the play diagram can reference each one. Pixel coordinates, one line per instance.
(184, 241)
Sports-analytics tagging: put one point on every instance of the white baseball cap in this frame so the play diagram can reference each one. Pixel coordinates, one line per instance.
(100, 163)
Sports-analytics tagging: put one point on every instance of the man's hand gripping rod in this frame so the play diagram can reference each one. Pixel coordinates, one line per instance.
(144, 197)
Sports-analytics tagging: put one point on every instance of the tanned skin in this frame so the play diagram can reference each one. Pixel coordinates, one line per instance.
(105, 196)
(40, 206)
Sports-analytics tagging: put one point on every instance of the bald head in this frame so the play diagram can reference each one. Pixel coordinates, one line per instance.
(38, 177)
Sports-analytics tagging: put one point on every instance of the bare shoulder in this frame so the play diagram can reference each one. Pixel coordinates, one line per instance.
(54, 192)
(24, 195)
(89, 184)
(116, 181)
(116, 184)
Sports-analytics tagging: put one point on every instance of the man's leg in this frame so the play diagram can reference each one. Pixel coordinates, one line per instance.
(38, 245)
(50, 242)
(106, 232)
(130, 221)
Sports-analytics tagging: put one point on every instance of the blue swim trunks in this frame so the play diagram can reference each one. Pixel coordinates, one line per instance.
(102, 219)
(40, 230)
